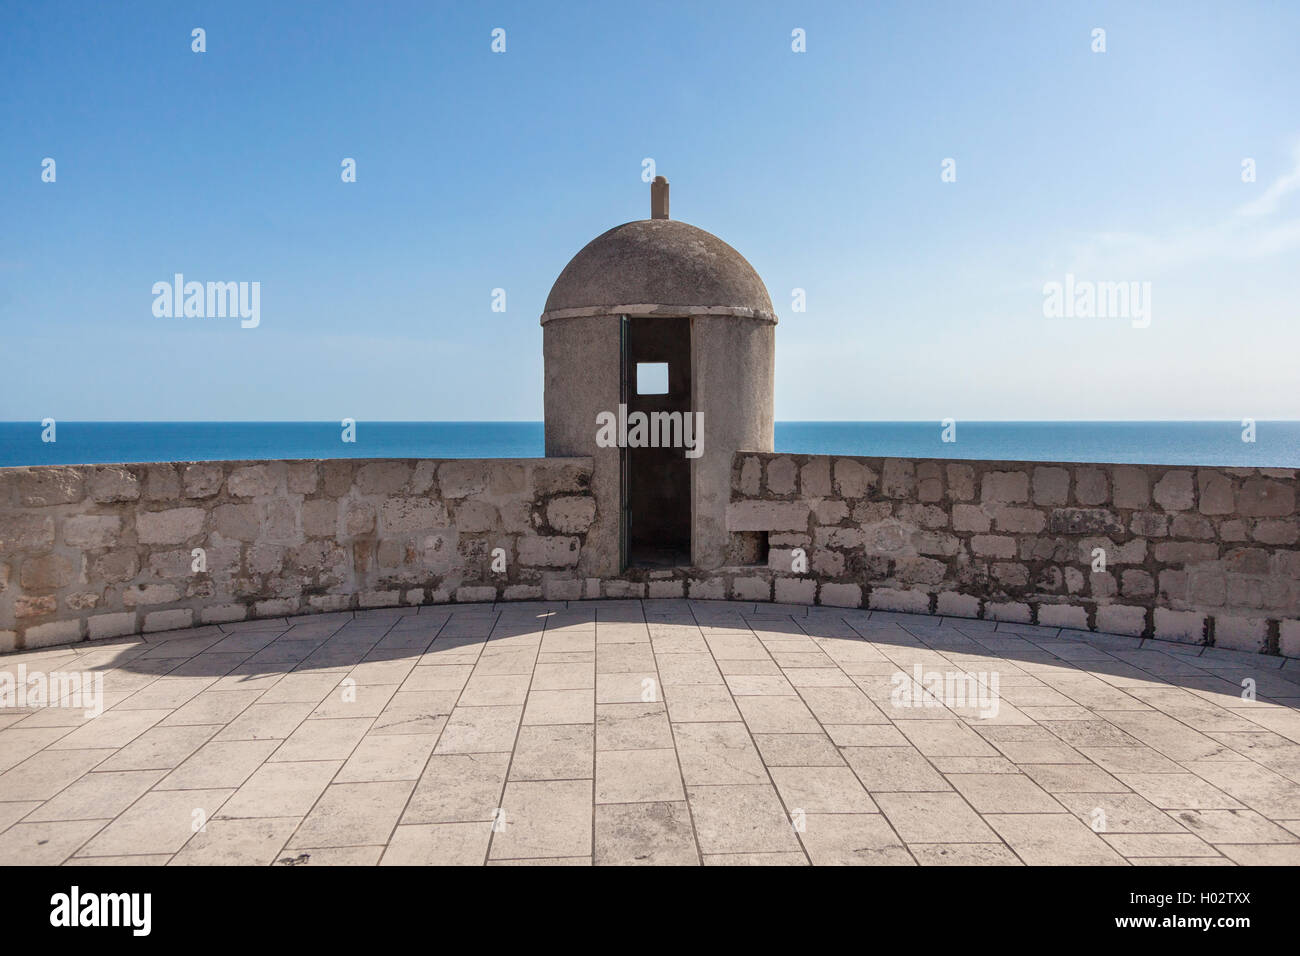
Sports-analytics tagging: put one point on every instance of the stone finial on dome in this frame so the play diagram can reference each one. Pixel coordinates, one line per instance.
(659, 198)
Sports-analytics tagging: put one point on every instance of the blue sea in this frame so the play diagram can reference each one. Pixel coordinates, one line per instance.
(1277, 444)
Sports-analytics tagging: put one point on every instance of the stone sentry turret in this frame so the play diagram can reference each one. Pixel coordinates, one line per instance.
(643, 295)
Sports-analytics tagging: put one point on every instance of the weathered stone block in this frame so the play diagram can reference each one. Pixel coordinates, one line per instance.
(115, 567)
(872, 512)
(1010, 574)
(1132, 487)
(461, 479)
(56, 632)
(1013, 612)
(1185, 552)
(1277, 531)
(28, 606)
(476, 516)
(47, 572)
(826, 538)
(888, 537)
(1102, 584)
(1019, 520)
(1063, 615)
(1005, 487)
(1135, 583)
(993, 546)
(1208, 588)
(934, 542)
(1173, 586)
(1240, 633)
(1091, 486)
(751, 589)
(667, 589)
(923, 516)
(554, 477)
(1051, 486)
(320, 517)
(561, 589)
(828, 564)
(173, 526)
(751, 477)
(1122, 619)
(21, 532)
(170, 564)
(143, 595)
(280, 521)
(1246, 561)
(237, 522)
(899, 478)
(1289, 639)
(623, 589)
(92, 531)
(302, 477)
(961, 482)
(550, 551)
(49, 485)
(358, 518)
(767, 515)
(81, 600)
(109, 483)
(100, 626)
(781, 474)
(1192, 526)
(571, 514)
(897, 599)
(161, 483)
(412, 515)
(796, 590)
(970, 518)
(168, 620)
(953, 604)
(1184, 627)
(1130, 552)
(223, 613)
(1264, 498)
(202, 480)
(1085, 521)
(336, 477)
(854, 479)
(1234, 530)
(389, 477)
(1150, 524)
(830, 512)
(929, 481)
(1217, 497)
(815, 478)
(1174, 492)
(843, 595)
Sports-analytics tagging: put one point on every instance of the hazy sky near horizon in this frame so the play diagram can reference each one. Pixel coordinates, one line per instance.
(479, 170)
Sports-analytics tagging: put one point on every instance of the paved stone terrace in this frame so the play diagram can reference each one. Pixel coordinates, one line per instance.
(670, 732)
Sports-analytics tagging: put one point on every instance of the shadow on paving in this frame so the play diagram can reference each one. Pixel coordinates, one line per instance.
(254, 653)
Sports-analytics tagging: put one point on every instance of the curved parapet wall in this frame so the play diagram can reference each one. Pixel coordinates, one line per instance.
(1195, 555)
(93, 551)
(1188, 554)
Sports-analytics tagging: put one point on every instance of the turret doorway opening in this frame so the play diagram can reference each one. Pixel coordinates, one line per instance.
(656, 485)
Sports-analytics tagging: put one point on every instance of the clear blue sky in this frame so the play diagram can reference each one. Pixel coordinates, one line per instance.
(478, 170)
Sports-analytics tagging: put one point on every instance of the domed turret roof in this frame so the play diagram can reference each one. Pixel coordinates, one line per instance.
(658, 266)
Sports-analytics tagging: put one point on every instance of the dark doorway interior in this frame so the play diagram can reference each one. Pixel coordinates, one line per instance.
(657, 481)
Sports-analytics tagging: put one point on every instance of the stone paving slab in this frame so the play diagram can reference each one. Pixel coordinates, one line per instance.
(667, 732)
